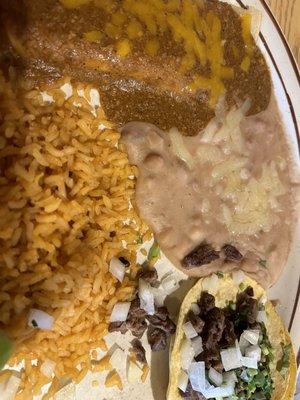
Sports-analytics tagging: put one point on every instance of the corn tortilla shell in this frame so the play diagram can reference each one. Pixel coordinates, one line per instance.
(226, 290)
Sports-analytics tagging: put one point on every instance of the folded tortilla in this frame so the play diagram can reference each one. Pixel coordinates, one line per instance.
(226, 290)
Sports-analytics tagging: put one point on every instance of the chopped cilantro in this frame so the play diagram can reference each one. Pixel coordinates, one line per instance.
(5, 349)
(34, 323)
(220, 274)
(259, 384)
(153, 252)
(283, 364)
(263, 263)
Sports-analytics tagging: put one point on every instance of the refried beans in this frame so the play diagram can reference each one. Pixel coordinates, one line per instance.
(227, 190)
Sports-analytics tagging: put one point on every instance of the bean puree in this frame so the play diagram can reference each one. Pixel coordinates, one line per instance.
(224, 196)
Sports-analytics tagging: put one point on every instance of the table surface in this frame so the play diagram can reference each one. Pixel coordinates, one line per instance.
(287, 13)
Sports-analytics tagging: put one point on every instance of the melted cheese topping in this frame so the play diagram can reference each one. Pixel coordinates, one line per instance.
(198, 32)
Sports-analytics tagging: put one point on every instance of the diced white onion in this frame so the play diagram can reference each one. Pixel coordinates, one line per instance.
(146, 297)
(47, 368)
(263, 299)
(251, 336)
(117, 269)
(253, 352)
(183, 379)
(197, 376)
(197, 345)
(40, 318)
(249, 362)
(238, 276)
(195, 308)
(180, 149)
(230, 359)
(229, 378)
(134, 373)
(210, 283)
(120, 312)
(159, 296)
(187, 354)
(262, 317)
(169, 284)
(189, 330)
(218, 392)
(238, 350)
(215, 377)
(244, 376)
(10, 386)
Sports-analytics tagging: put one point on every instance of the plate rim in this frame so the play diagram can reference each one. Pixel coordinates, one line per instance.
(295, 68)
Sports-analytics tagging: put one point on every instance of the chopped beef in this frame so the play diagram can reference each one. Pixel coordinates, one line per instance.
(246, 309)
(191, 394)
(206, 303)
(139, 351)
(231, 253)
(211, 357)
(166, 325)
(249, 291)
(162, 313)
(214, 327)
(137, 326)
(229, 336)
(162, 320)
(135, 309)
(201, 255)
(124, 261)
(157, 339)
(150, 276)
(196, 321)
(118, 327)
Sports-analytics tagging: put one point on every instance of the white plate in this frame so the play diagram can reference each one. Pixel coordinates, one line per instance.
(286, 79)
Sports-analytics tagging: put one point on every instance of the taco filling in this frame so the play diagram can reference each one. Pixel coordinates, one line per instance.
(226, 347)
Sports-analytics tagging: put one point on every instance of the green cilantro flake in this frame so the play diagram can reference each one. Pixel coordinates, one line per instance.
(5, 349)
(283, 364)
(154, 252)
(263, 263)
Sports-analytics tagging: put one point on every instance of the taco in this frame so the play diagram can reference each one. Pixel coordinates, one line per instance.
(230, 343)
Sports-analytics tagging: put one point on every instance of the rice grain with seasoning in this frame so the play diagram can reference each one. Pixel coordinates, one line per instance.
(65, 187)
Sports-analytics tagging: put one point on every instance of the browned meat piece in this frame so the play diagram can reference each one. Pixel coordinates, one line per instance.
(191, 394)
(211, 357)
(162, 313)
(201, 255)
(118, 327)
(229, 336)
(135, 310)
(206, 303)
(142, 63)
(150, 276)
(246, 310)
(213, 328)
(162, 321)
(157, 339)
(139, 351)
(231, 253)
(137, 326)
(196, 321)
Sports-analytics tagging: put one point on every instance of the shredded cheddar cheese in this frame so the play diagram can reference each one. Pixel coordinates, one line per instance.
(196, 30)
